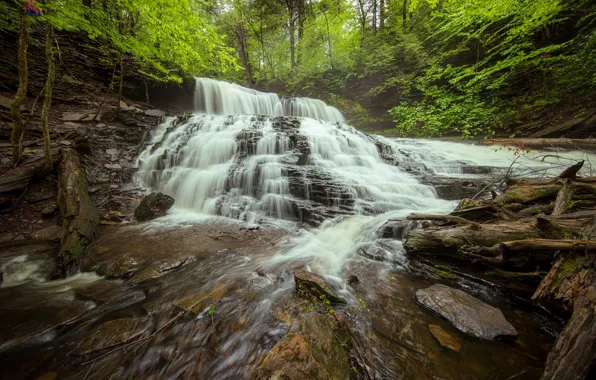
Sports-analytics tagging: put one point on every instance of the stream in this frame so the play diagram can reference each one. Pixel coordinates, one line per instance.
(264, 185)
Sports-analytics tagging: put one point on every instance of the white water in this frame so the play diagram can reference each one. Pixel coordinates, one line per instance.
(222, 98)
(266, 168)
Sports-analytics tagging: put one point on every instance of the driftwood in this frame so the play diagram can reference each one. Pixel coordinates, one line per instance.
(440, 218)
(571, 172)
(476, 214)
(80, 218)
(572, 282)
(18, 178)
(564, 197)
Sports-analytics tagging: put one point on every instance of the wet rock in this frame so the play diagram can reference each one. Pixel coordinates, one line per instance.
(112, 154)
(153, 205)
(352, 280)
(51, 234)
(310, 284)
(444, 338)
(466, 313)
(158, 269)
(197, 302)
(113, 333)
(49, 210)
(310, 350)
(155, 113)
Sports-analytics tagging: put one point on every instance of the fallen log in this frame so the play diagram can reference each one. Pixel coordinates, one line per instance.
(18, 178)
(563, 198)
(440, 218)
(476, 214)
(572, 283)
(525, 194)
(449, 240)
(80, 218)
(540, 249)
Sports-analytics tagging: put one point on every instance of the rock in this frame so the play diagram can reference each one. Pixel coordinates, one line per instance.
(7, 102)
(113, 333)
(51, 233)
(49, 210)
(112, 154)
(466, 313)
(123, 105)
(75, 116)
(153, 205)
(310, 284)
(112, 166)
(445, 339)
(353, 280)
(159, 269)
(310, 350)
(155, 113)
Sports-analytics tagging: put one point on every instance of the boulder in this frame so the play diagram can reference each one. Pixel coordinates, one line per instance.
(153, 205)
(466, 313)
(310, 284)
(314, 348)
(444, 338)
(113, 333)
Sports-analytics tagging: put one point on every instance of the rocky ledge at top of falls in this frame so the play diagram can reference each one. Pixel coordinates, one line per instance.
(467, 313)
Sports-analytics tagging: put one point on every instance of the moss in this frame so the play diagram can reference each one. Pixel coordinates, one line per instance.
(570, 262)
(443, 273)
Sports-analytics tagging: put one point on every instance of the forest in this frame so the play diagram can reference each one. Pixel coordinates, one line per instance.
(298, 189)
(476, 68)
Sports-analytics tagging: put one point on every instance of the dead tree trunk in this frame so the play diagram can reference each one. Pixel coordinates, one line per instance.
(18, 128)
(563, 198)
(80, 218)
(572, 282)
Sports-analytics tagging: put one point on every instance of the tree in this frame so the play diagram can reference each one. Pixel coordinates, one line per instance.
(18, 129)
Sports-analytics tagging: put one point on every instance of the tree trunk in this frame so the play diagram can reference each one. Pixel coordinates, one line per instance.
(290, 4)
(405, 12)
(120, 85)
(18, 129)
(329, 45)
(47, 102)
(80, 218)
(18, 178)
(243, 53)
(381, 14)
(146, 90)
(301, 20)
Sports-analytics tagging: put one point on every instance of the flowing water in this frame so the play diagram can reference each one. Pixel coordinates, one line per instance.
(264, 185)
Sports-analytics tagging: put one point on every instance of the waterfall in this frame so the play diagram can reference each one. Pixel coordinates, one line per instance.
(255, 167)
(215, 97)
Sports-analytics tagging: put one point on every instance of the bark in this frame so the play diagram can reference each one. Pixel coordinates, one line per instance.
(146, 90)
(405, 12)
(18, 129)
(563, 198)
(120, 85)
(572, 283)
(290, 4)
(374, 15)
(440, 218)
(47, 102)
(382, 14)
(449, 240)
(301, 20)
(80, 218)
(528, 194)
(476, 214)
(243, 52)
(19, 177)
(571, 172)
(502, 252)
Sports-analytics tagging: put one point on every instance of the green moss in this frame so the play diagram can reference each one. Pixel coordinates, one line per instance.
(568, 266)
(443, 273)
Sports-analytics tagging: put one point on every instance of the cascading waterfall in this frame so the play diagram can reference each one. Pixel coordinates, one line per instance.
(222, 98)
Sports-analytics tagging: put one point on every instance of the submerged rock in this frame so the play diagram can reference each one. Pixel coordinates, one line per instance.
(314, 348)
(113, 333)
(466, 313)
(444, 338)
(310, 284)
(153, 205)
